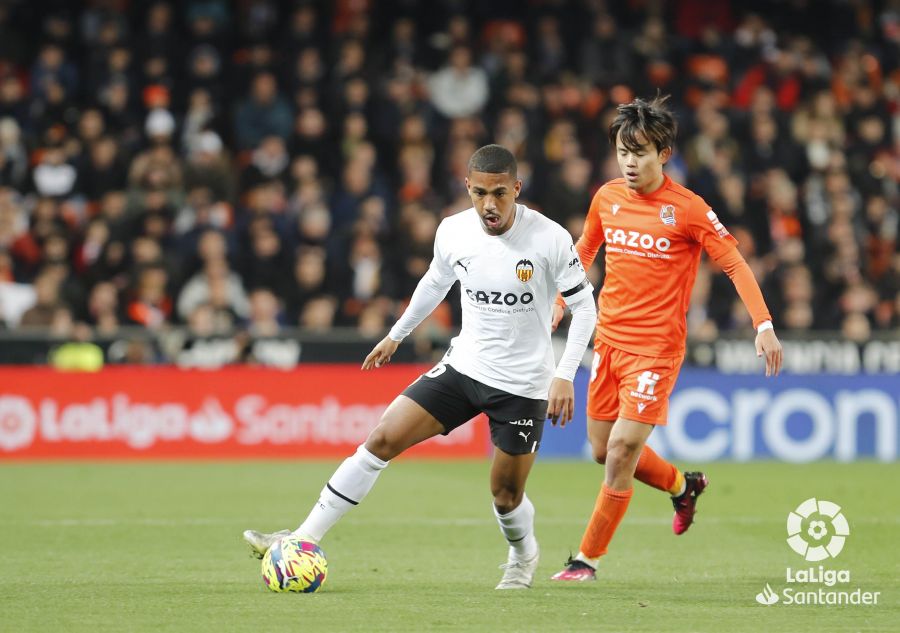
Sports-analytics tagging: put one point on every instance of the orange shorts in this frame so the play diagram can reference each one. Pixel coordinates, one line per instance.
(630, 386)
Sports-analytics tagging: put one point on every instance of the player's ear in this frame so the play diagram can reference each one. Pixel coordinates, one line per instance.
(665, 155)
(518, 188)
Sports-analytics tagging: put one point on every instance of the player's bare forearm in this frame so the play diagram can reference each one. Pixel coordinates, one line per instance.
(561, 401)
(768, 345)
(381, 353)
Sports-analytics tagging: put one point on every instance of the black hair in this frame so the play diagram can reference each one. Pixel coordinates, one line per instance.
(493, 159)
(652, 119)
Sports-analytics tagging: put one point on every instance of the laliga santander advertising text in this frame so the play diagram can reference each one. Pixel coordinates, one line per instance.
(327, 410)
(123, 412)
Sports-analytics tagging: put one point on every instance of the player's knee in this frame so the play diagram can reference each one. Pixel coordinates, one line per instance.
(599, 453)
(507, 498)
(379, 443)
(621, 450)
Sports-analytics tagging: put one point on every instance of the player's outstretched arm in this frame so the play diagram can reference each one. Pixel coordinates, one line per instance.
(768, 345)
(429, 292)
(381, 353)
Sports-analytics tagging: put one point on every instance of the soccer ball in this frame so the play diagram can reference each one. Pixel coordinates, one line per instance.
(292, 564)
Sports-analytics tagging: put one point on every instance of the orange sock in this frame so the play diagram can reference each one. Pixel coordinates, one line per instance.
(608, 512)
(654, 471)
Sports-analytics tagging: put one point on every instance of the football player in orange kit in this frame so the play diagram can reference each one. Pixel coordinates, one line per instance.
(654, 230)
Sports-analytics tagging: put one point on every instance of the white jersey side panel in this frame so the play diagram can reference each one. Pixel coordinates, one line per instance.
(508, 284)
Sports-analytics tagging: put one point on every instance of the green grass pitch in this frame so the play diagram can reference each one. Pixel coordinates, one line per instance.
(156, 547)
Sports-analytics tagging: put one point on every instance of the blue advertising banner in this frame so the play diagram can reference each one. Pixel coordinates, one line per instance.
(793, 418)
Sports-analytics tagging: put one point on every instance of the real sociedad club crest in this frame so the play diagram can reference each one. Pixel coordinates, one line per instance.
(667, 214)
(524, 270)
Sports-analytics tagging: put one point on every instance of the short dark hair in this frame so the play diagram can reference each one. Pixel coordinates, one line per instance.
(493, 159)
(652, 119)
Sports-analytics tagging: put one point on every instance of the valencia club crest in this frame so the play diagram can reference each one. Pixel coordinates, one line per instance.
(524, 270)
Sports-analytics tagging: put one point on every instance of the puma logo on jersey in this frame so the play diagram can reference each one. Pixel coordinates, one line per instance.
(615, 209)
(525, 435)
(462, 265)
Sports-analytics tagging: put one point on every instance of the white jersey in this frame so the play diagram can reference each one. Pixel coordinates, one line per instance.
(508, 285)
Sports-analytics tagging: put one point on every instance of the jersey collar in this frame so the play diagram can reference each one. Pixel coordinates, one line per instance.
(653, 194)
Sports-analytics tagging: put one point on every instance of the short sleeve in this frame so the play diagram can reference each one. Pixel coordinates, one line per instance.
(571, 282)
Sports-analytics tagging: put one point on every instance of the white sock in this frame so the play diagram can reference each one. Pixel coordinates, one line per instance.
(518, 528)
(349, 485)
(593, 562)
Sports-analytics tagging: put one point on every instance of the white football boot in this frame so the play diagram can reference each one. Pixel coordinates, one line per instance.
(260, 542)
(519, 574)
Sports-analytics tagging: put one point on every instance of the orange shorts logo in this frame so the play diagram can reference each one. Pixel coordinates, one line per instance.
(631, 386)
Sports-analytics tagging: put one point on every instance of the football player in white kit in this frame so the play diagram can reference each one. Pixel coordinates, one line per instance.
(511, 262)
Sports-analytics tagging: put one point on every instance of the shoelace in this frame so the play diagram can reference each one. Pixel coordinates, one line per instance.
(514, 565)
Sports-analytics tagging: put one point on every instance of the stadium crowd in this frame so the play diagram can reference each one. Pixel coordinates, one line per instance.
(255, 165)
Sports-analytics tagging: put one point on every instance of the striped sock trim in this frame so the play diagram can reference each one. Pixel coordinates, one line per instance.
(345, 498)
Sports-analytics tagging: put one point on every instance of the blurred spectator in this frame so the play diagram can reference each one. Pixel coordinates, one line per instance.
(269, 161)
(149, 304)
(200, 212)
(318, 314)
(310, 138)
(207, 344)
(265, 311)
(208, 166)
(459, 89)
(103, 169)
(53, 176)
(103, 310)
(310, 278)
(568, 194)
(47, 302)
(13, 157)
(606, 59)
(264, 112)
(217, 286)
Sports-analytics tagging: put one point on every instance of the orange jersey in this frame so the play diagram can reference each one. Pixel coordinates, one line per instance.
(653, 245)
